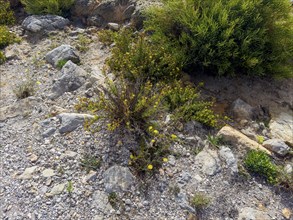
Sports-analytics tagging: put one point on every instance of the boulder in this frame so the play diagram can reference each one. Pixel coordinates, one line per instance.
(118, 179)
(73, 78)
(44, 23)
(71, 121)
(277, 146)
(62, 53)
(281, 127)
(227, 155)
(236, 138)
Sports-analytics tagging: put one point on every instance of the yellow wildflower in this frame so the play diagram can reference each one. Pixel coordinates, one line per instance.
(165, 159)
(153, 141)
(150, 128)
(173, 136)
(150, 166)
(131, 156)
(156, 132)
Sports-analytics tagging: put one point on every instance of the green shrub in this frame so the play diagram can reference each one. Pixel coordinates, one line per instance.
(55, 7)
(2, 58)
(136, 57)
(6, 37)
(61, 63)
(199, 201)
(89, 162)
(107, 37)
(228, 36)
(6, 15)
(25, 89)
(83, 42)
(258, 162)
(185, 104)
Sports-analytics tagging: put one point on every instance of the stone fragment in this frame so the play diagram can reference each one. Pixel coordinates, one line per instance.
(33, 158)
(287, 213)
(100, 202)
(48, 173)
(242, 110)
(118, 179)
(236, 138)
(28, 173)
(56, 190)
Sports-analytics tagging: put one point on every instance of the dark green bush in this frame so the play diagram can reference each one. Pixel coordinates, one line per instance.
(228, 36)
(55, 7)
(135, 57)
(258, 162)
(6, 37)
(6, 15)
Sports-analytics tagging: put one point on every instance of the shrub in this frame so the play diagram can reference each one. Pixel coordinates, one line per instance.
(185, 104)
(83, 43)
(258, 162)
(89, 162)
(136, 57)
(61, 63)
(6, 15)
(199, 201)
(55, 7)
(25, 89)
(228, 36)
(6, 37)
(107, 37)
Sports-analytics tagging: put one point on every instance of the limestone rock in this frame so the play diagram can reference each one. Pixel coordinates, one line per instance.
(242, 110)
(56, 190)
(208, 161)
(281, 127)
(44, 23)
(248, 213)
(48, 173)
(228, 156)
(118, 178)
(277, 146)
(100, 202)
(71, 121)
(237, 138)
(61, 53)
(28, 173)
(72, 79)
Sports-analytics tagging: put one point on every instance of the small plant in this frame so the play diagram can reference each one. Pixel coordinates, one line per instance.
(113, 200)
(107, 37)
(90, 162)
(199, 201)
(25, 89)
(83, 42)
(2, 58)
(258, 162)
(55, 7)
(216, 141)
(175, 190)
(69, 187)
(6, 15)
(6, 37)
(186, 105)
(260, 139)
(61, 63)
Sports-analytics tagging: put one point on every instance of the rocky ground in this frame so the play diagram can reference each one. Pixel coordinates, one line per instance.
(44, 146)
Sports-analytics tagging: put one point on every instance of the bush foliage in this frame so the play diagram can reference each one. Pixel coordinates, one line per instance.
(55, 7)
(228, 36)
(6, 15)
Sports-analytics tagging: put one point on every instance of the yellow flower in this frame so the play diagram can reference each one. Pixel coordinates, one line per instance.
(131, 156)
(153, 141)
(38, 83)
(150, 128)
(156, 132)
(173, 136)
(150, 167)
(165, 159)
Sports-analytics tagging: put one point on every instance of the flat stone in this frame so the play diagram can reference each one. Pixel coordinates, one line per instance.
(248, 213)
(114, 26)
(61, 53)
(33, 158)
(242, 110)
(287, 213)
(277, 146)
(236, 138)
(118, 178)
(48, 173)
(56, 190)
(100, 202)
(28, 173)
(92, 175)
(71, 121)
(50, 131)
(208, 161)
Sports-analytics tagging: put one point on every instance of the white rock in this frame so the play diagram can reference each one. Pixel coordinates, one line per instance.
(27, 174)
(208, 161)
(277, 146)
(48, 173)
